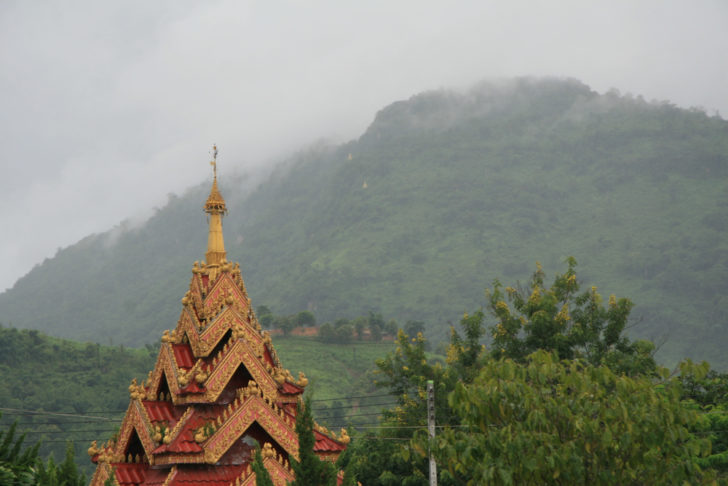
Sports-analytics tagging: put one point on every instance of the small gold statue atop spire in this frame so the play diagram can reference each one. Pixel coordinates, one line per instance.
(215, 207)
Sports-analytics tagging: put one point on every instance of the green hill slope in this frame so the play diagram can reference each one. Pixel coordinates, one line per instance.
(443, 193)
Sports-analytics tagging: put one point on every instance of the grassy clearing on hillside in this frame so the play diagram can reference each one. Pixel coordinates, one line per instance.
(333, 370)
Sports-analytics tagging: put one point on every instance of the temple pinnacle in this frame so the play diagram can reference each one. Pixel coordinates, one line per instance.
(215, 207)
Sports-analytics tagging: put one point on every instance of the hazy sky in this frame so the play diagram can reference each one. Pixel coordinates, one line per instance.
(106, 107)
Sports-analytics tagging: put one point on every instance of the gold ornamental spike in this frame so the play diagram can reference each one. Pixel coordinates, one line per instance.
(215, 207)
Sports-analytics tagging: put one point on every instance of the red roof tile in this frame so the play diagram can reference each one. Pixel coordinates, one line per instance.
(183, 355)
(130, 474)
(207, 475)
(161, 411)
(325, 443)
(156, 477)
(185, 441)
(288, 388)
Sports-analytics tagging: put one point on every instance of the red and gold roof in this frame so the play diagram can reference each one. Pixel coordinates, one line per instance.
(217, 388)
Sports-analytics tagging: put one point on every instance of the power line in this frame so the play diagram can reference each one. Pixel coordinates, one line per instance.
(356, 406)
(49, 432)
(351, 398)
(18, 411)
(21, 423)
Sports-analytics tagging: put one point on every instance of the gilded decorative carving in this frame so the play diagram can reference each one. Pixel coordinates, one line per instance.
(302, 380)
(226, 286)
(253, 409)
(239, 353)
(278, 469)
(170, 477)
(101, 475)
(134, 420)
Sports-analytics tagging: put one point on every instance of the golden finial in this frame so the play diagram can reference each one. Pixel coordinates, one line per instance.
(215, 207)
(213, 162)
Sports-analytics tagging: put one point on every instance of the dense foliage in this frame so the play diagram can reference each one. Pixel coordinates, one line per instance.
(569, 323)
(309, 470)
(262, 476)
(546, 406)
(61, 391)
(413, 219)
(567, 422)
(21, 466)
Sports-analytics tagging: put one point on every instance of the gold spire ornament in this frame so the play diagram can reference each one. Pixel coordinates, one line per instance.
(215, 207)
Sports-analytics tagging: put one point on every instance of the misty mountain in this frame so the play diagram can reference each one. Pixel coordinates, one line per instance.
(442, 194)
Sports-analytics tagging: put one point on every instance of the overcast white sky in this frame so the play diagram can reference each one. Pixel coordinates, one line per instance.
(106, 107)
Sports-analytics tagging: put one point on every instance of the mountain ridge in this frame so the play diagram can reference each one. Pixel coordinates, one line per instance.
(441, 194)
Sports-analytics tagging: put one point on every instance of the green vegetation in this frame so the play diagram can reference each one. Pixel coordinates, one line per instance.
(60, 391)
(562, 320)
(21, 466)
(567, 422)
(333, 371)
(262, 476)
(506, 417)
(309, 469)
(562, 386)
(443, 192)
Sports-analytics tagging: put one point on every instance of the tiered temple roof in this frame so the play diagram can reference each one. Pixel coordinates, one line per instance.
(217, 390)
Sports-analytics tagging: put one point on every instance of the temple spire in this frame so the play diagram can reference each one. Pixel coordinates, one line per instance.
(215, 207)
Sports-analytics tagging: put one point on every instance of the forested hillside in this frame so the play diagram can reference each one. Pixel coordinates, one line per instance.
(442, 194)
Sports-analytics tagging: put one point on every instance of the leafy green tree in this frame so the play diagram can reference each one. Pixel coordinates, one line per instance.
(262, 476)
(265, 316)
(360, 325)
(309, 470)
(344, 333)
(413, 328)
(345, 464)
(391, 327)
(16, 464)
(707, 390)
(327, 333)
(572, 324)
(305, 319)
(545, 421)
(405, 373)
(341, 322)
(375, 461)
(285, 324)
(376, 324)
(63, 474)
(20, 466)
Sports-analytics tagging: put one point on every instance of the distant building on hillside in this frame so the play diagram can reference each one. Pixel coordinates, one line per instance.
(217, 390)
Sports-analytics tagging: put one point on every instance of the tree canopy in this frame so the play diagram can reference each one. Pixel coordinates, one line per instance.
(550, 421)
(560, 319)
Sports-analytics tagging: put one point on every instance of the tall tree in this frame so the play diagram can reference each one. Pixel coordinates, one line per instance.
(309, 469)
(262, 476)
(386, 459)
(560, 319)
(64, 474)
(546, 421)
(19, 467)
(16, 464)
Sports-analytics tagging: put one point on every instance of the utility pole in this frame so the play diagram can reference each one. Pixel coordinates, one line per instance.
(431, 429)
